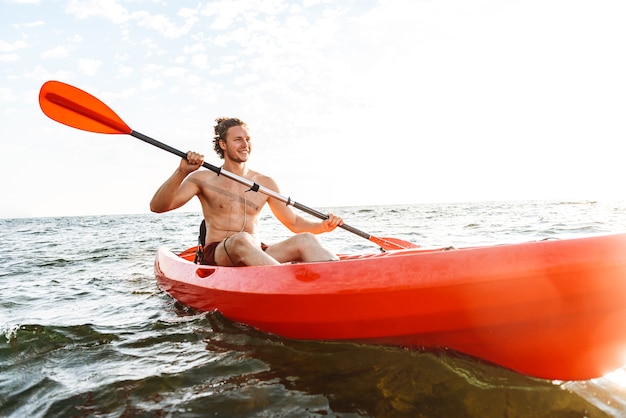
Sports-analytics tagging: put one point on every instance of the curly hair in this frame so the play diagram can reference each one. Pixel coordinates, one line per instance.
(223, 124)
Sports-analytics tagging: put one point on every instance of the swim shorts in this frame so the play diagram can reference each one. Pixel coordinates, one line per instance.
(208, 253)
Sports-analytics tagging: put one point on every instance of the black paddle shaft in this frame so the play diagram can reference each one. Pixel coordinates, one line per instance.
(253, 186)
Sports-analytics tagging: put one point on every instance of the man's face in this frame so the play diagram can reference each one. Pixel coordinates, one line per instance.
(237, 145)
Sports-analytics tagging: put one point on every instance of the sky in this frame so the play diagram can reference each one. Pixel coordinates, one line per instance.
(352, 102)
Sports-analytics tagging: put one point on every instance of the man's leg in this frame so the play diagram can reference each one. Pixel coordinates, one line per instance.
(242, 250)
(301, 247)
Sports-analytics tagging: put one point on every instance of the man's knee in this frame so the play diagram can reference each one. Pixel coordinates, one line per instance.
(307, 239)
(242, 240)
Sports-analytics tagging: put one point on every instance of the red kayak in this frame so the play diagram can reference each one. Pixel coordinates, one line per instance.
(550, 309)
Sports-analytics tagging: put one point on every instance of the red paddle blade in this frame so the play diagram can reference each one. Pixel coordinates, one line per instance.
(392, 243)
(74, 107)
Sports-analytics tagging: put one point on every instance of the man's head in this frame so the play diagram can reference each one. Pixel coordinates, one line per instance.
(221, 129)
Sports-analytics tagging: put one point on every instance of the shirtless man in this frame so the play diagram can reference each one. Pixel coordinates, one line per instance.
(232, 212)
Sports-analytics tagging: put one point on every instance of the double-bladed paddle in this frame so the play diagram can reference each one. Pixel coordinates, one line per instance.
(74, 107)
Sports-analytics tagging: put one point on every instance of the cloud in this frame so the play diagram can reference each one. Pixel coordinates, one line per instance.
(154, 68)
(151, 83)
(223, 69)
(176, 72)
(200, 60)
(165, 26)
(7, 95)
(41, 73)
(190, 49)
(89, 66)
(122, 95)
(28, 25)
(116, 13)
(124, 71)
(75, 38)
(108, 9)
(56, 52)
(10, 47)
(224, 12)
(246, 79)
(9, 57)
(187, 13)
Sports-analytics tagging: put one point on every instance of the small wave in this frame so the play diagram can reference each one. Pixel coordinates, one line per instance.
(9, 331)
(41, 338)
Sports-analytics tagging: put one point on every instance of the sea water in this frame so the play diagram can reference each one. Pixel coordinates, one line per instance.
(85, 331)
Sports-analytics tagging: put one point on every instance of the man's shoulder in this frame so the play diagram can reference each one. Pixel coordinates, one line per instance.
(257, 175)
(262, 179)
(205, 178)
(203, 175)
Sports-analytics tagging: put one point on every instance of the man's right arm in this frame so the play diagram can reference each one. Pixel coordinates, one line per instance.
(178, 189)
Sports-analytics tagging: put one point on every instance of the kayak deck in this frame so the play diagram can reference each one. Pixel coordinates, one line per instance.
(551, 309)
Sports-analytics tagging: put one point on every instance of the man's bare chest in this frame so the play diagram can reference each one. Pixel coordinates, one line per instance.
(233, 197)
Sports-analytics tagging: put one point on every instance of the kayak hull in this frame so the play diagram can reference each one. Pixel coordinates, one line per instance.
(550, 309)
